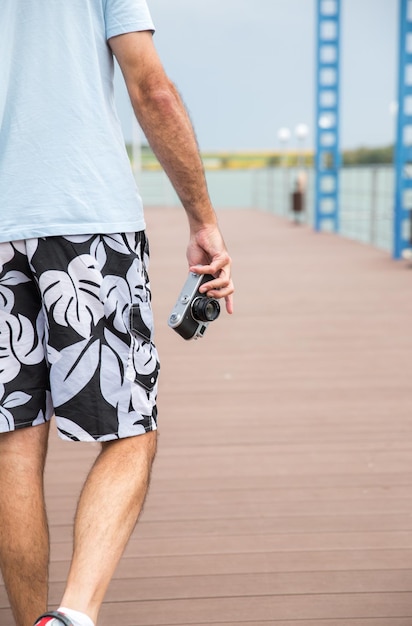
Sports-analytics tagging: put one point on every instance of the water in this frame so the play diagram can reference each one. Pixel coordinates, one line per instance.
(366, 198)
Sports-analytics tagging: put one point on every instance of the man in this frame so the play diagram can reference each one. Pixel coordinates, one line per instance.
(75, 315)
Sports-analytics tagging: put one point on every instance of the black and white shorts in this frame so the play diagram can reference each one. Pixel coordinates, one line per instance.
(76, 336)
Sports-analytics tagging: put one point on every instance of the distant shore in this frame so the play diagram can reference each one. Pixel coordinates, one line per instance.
(258, 159)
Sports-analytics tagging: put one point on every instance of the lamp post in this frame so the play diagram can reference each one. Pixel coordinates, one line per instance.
(284, 135)
(301, 132)
(284, 138)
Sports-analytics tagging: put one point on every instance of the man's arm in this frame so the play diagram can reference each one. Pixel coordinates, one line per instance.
(166, 124)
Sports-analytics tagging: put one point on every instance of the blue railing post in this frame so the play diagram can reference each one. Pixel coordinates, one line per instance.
(327, 160)
(403, 151)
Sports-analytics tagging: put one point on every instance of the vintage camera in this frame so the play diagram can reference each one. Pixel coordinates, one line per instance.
(193, 310)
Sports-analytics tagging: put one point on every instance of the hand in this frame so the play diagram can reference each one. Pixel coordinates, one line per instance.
(207, 254)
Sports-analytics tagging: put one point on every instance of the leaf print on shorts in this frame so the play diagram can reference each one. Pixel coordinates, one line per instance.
(73, 371)
(11, 279)
(119, 243)
(6, 299)
(8, 250)
(18, 344)
(14, 278)
(16, 398)
(71, 297)
(139, 289)
(70, 431)
(115, 295)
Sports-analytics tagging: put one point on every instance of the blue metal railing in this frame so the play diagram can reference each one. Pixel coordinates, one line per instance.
(403, 155)
(327, 161)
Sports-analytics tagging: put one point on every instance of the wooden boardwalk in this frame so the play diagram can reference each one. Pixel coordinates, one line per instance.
(282, 491)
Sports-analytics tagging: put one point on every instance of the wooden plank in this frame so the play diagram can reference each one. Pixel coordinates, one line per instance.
(248, 526)
(245, 585)
(249, 563)
(274, 608)
(215, 508)
(259, 543)
(183, 587)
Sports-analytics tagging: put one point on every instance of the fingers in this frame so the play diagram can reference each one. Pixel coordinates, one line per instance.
(225, 292)
(229, 304)
(220, 287)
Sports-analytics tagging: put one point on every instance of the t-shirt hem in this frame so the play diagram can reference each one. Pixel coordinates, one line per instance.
(130, 27)
(61, 230)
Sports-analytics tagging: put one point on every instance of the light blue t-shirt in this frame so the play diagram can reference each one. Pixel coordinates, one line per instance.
(64, 169)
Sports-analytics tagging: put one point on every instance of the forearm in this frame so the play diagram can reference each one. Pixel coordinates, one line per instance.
(164, 119)
(167, 126)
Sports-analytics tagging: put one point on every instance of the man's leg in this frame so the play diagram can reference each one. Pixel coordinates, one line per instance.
(24, 536)
(108, 509)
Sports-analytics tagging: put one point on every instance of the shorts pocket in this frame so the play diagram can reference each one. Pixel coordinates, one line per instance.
(145, 358)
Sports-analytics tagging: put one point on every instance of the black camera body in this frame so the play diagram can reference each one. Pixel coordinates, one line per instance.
(193, 310)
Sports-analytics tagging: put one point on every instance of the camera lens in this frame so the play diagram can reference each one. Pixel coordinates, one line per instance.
(205, 309)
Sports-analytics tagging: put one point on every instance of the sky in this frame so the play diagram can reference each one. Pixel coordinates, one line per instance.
(246, 68)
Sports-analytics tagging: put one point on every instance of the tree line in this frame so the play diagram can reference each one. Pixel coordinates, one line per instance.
(256, 159)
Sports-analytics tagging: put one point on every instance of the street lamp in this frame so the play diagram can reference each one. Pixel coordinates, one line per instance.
(284, 135)
(301, 132)
(284, 138)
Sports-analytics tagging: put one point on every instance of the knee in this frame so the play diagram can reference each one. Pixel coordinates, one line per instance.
(149, 444)
(25, 449)
(141, 448)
